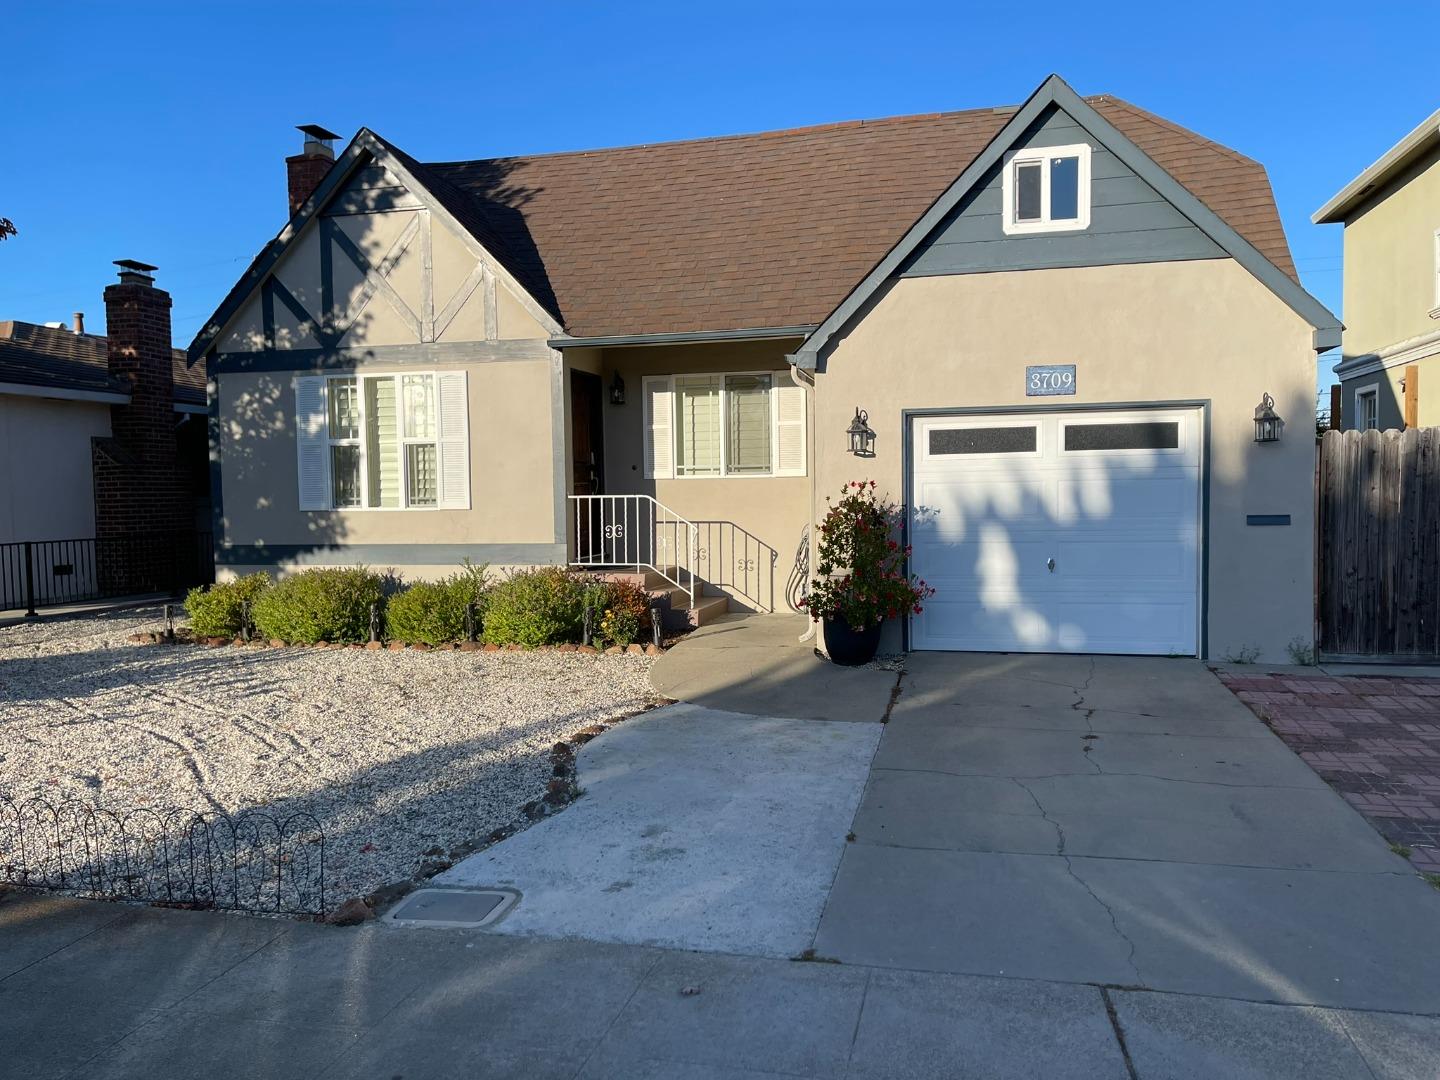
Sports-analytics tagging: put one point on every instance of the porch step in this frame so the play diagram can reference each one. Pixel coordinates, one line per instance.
(707, 609)
(648, 580)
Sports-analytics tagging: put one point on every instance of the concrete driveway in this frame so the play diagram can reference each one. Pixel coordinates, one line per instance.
(1124, 822)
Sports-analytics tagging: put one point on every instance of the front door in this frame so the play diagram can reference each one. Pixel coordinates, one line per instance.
(587, 451)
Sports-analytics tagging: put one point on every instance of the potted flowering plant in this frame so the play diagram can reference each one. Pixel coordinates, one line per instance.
(861, 578)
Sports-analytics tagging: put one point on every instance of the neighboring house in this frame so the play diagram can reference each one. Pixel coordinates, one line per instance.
(449, 360)
(75, 406)
(1390, 370)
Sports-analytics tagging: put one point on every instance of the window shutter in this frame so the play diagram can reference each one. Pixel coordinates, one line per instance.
(312, 444)
(659, 428)
(789, 439)
(454, 440)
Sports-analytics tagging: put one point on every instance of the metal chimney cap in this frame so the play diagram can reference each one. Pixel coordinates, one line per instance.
(315, 131)
(138, 267)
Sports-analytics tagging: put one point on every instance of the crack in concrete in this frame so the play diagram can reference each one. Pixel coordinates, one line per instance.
(1114, 923)
(1059, 829)
(1089, 712)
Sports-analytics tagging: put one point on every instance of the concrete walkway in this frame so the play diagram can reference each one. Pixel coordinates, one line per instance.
(104, 992)
(1126, 822)
(698, 829)
(756, 664)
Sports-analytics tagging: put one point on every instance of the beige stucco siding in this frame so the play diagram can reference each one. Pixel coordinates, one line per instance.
(511, 465)
(1202, 330)
(1390, 262)
(749, 526)
(46, 483)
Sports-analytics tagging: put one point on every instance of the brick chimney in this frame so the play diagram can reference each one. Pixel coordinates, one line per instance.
(136, 481)
(306, 169)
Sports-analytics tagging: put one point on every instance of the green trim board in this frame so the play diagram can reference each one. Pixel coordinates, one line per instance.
(380, 555)
(347, 358)
(1055, 92)
(752, 333)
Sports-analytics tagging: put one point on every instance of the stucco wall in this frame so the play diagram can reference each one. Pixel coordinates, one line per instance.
(511, 466)
(1204, 330)
(750, 526)
(1390, 262)
(46, 486)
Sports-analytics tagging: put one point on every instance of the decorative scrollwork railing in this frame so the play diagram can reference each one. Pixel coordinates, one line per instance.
(251, 861)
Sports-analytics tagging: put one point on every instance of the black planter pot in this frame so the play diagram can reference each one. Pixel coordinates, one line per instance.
(848, 646)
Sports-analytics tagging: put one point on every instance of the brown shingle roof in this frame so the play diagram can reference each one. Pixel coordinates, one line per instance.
(772, 229)
(44, 356)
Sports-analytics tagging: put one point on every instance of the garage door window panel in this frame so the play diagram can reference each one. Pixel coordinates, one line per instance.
(1145, 435)
(1011, 439)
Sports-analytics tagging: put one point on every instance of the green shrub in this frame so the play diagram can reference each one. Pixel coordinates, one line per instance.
(624, 613)
(320, 605)
(433, 612)
(218, 611)
(544, 606)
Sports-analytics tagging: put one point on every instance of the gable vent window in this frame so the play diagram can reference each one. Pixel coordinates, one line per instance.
(735, 424)
(383, 442)
(1046, 189)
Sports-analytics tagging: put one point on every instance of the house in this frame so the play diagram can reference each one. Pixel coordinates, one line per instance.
(1391, 348)
(1057, 320)
(104, 464)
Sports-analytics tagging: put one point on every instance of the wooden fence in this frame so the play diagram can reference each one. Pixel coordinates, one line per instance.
(1378, 522)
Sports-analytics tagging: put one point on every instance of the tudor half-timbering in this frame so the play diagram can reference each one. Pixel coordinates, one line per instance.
(1059, 319)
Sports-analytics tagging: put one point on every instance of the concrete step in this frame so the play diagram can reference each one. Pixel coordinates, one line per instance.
(707, 609)
(646, 579)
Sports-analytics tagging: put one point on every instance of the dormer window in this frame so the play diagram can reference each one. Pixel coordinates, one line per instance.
(1047, 189)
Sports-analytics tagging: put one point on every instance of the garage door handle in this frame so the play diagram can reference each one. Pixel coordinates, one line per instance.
(1050, 564)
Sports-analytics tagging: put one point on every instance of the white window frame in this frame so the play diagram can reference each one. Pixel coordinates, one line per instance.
(1435, 311)
(403, 440)
(358, 442)
(1043, 156)
(671, 471)
(1372, 390)
(678, 423)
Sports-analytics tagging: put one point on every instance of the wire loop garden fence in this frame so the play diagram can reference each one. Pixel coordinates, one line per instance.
(252, 861)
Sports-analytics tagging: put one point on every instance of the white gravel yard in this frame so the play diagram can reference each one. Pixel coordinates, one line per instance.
(395, 753)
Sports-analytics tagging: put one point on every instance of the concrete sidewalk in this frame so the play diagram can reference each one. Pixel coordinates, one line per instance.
(103, 992)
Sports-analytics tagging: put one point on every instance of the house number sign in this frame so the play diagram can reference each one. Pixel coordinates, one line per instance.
(1047, 380)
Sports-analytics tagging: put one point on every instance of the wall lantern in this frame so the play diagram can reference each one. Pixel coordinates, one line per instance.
(862, 439)
(617, 390)
(1267, 421)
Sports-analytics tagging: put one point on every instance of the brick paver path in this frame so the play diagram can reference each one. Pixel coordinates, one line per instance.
(1375, 740)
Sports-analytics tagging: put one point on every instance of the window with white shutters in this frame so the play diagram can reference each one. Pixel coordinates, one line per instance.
(732, 424)
(383, 442)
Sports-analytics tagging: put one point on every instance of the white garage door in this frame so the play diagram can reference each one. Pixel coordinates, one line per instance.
(1058, 532)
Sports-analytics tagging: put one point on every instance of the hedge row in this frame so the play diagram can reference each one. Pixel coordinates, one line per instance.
(543, 606)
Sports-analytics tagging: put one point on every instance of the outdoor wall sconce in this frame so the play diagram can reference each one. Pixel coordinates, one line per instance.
(617, 390)
(862, 439)
(1267, 421)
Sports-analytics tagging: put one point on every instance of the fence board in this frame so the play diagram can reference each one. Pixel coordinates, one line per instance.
(1379, 544)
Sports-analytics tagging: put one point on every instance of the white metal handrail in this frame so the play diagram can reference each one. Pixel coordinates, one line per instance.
(636, 530)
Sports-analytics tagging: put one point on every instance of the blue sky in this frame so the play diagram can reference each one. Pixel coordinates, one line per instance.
(158, 132)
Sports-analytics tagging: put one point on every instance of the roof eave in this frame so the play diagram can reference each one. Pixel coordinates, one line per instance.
(686, 337)
(1390, 162)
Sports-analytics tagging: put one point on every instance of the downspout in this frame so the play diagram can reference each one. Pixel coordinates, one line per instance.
(806, 379)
